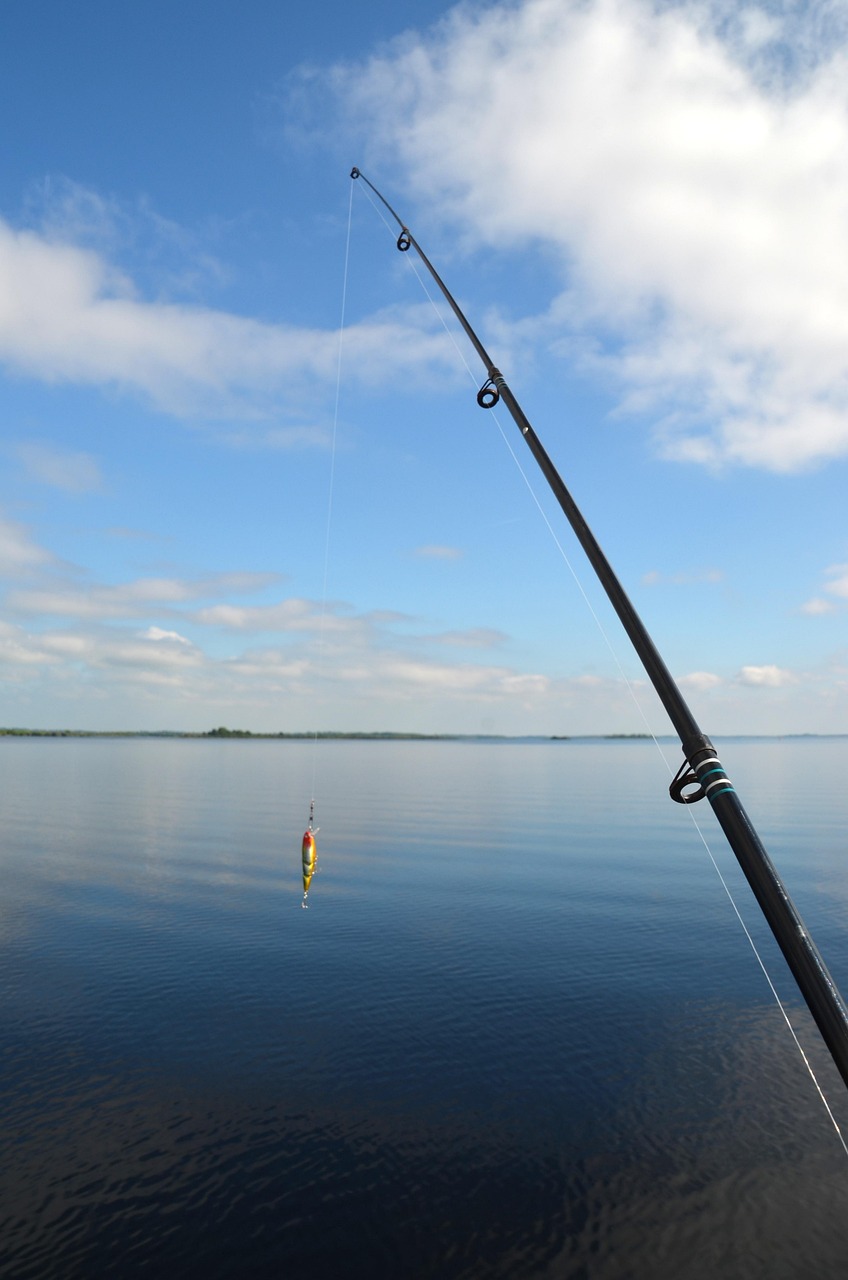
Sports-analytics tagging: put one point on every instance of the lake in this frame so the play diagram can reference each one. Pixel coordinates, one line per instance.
(518, 1033)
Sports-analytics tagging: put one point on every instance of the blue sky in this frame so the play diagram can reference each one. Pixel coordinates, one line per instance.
(217, 508)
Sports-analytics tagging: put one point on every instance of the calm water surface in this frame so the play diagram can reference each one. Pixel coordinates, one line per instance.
(519, 1032)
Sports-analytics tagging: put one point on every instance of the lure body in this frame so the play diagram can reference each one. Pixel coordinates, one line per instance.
(310, 857)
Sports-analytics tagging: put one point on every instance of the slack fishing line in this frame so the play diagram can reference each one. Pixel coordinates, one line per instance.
(309, 848)
(702, 774)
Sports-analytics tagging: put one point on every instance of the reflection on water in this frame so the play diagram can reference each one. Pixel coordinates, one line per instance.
(519, 1034)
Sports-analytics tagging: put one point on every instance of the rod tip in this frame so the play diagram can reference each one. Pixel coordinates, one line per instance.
(354, 173)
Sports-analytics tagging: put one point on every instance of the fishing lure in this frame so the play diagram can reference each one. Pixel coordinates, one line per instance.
(309, 854)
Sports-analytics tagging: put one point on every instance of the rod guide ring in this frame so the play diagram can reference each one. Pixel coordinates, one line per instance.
(686, 777)
(488, 395)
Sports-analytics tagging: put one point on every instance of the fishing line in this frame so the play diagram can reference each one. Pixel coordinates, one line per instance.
(309, 852)
(422, 280)
(772, 988)
(424, 283)
(643, 716)
(693, 816)
(331, 484)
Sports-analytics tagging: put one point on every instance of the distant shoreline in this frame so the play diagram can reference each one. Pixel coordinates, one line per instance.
(240, 735)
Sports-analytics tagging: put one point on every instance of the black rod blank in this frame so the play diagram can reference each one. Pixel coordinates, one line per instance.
(702, 770)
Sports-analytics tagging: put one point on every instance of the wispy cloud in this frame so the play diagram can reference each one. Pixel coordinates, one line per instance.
(368, 668)
(188, 644)
(835, 585)
(67, 314)
(435, 552)
(61, 598)
(278, 439)
(367, 675)
(291, 615)
(688, 168)
(71, 471)
(682, 578)
(473, 638)
(19, 553)
(132, 535)
(171, 257)
(817, 607)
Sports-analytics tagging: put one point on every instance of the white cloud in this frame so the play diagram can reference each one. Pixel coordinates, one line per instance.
(367, 668)
(817, 607)
(691, 175)
(835, 584)
(129, 599)
(105, 675)
(156, 633)
(292, 614)
(701, 681)
(19, 555)
(412, 677)
(63, 644)
(66, 315)
(769, 676)
(17, 652)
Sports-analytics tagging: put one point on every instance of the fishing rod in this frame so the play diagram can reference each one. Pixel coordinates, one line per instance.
(702, 773)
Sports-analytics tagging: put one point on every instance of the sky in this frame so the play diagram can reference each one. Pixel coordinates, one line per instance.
(245, 480)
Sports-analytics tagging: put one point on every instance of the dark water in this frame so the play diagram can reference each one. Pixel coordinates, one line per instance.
(519, 1032)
